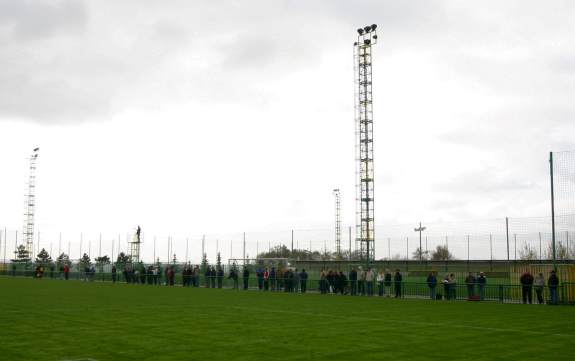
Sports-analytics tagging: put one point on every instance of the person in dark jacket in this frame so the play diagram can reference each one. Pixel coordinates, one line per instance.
(234, 277)
(273, 278)
(470, 283)
(432, 284)
(246, 277)
(397, 278)
(353, 282)
(387, 282)
(526, 280)
(220, 276)
(303, 280)
(208, 275)
(481, 282)
(213, 276)
(553, 284)
(114, 274)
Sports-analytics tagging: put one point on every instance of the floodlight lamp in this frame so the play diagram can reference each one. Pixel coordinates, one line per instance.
(367, 29)
(373, 27)
(375, 37)
(355, 44)
(367, 41)
(360, 31)
(36, 149)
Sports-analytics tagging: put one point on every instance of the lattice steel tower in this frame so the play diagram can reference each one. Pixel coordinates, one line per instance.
(337, 222)
(30, 206)
(134, 251)
(365, 232)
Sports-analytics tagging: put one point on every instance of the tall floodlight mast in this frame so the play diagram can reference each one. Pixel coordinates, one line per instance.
(30, 205)
(365, 230)
(337, 223)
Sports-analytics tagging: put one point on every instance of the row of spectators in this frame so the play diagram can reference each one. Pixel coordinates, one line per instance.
(357, 282)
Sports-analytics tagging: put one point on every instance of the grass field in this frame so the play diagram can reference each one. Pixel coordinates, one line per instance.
(59, 320)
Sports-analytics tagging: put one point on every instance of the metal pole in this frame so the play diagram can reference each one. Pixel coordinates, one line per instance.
(186, 250)
(491, 247)
(567, 239)
(349, 232)
(154, 260)
(540, 247)
(5, 241)
(515, 246)
(203, 246)
(112, 259)
(552, 211)
(407, 248)
(507, 235)
(292, 242)
(467, 248)
(100, 247)
(244, 252)
(420, 249)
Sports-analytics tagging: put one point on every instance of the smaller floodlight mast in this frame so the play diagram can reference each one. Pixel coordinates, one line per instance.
(30, 205)
(337, 222)
(420, 230)
(365, 227)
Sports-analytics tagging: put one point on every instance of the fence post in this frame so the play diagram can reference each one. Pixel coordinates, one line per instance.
(501, 293)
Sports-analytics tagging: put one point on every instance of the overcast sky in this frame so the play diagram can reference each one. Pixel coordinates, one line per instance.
(193, 117)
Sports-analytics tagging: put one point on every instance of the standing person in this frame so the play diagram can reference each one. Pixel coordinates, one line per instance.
(296, 281)
(526, 280)
(539, 284)
(266, 279)
(481, 282)
(234, 276)
(213, 276)
(369, 279)
(380, 283)
(208, 275)
(387, 282)
(397, 283)
(432, 284)
(171, 274)
(452, 287)
(260, 277)
(553, 283)
(66, 271)
(246, 277)
(361, 281)
(303, 280)
(220, 276)
(114, 273)
(470, 283)
(446, 289)
(353, 282)
(273, 278)
(322, 281)
(197, 276)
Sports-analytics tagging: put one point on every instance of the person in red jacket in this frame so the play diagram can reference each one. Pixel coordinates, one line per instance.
(66, 272)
